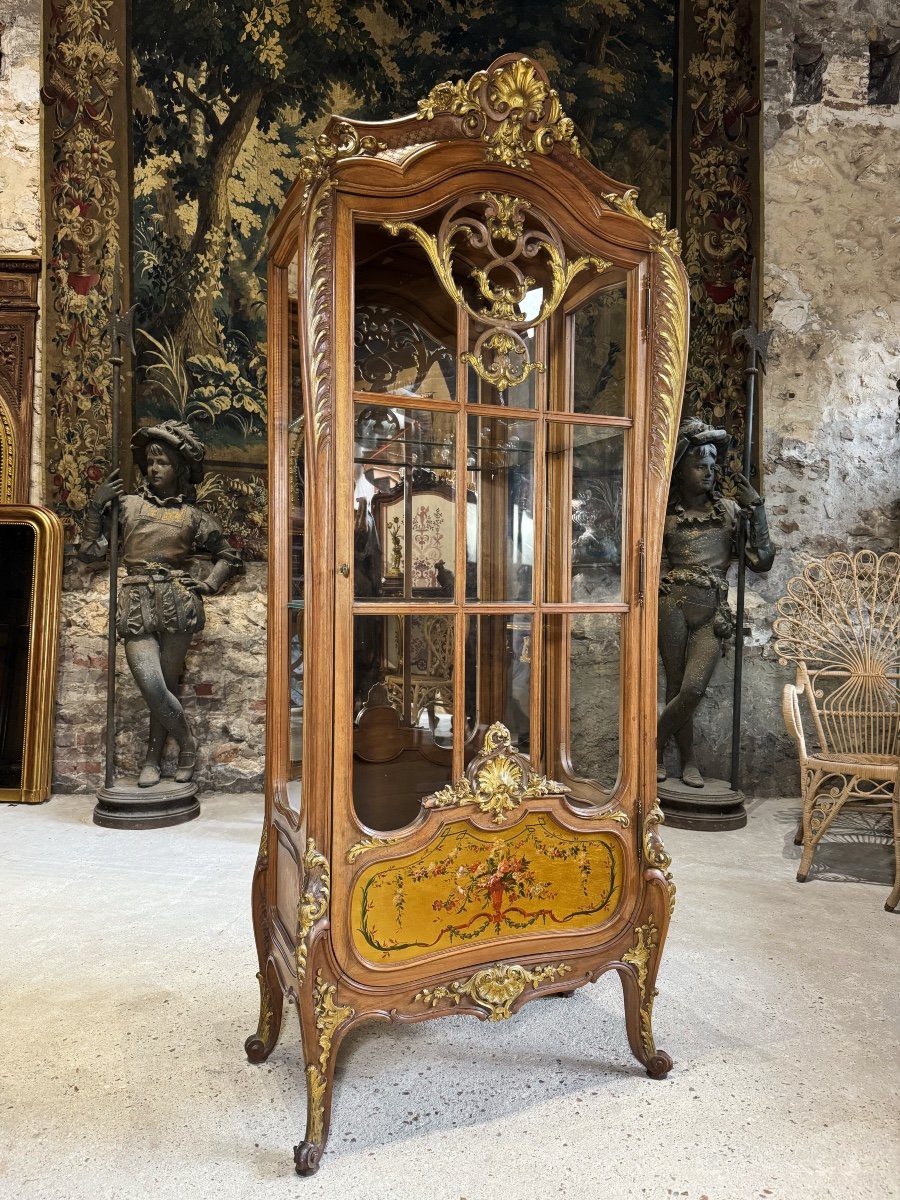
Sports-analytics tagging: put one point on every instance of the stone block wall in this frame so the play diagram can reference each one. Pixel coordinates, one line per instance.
(223, 690)
(831, 440)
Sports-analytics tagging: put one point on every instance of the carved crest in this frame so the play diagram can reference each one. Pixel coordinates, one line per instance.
(511, 107)
(497, 780)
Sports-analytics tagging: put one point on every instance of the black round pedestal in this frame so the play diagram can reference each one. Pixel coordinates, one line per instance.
(126, 806)
(714, 806)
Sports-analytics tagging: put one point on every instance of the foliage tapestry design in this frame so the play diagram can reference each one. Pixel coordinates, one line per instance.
(224, 97)
(720, 204)
(81, 77)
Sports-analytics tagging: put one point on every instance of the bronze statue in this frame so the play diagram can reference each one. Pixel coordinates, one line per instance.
(160, 605)
(695, 619)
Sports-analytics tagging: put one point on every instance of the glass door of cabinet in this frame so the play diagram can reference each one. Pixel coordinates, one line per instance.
(482, 512)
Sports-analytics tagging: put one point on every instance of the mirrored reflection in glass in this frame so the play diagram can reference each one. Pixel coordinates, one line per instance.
(587, 463)
(295, 684)
(404, 503)
(403, 714)
(500, 509)
(395, 353)
(498, 678)
(599, 360)
(595, 657)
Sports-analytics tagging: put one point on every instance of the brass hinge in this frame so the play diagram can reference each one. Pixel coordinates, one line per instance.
(642, 571)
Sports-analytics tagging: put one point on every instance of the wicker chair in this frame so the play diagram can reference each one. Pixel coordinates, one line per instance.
(840, 623)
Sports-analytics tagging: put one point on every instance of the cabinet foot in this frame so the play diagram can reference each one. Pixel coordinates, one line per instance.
(307, 1157)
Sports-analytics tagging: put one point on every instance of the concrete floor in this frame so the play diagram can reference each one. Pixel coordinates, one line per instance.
(127, 988)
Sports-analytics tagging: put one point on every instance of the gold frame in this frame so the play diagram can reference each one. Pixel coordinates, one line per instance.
(46, 588)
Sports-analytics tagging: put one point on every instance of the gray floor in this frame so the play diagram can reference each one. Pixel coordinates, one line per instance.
(128, 988)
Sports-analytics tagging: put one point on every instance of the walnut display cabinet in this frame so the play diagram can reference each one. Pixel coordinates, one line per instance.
(476, 360)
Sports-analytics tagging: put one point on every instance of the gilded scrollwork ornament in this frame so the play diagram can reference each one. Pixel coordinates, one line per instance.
(495, 988)
(627, 204)
(510, 107)
(497, 780)
(341, 140)
(313, 903)
(372, 843)
(509, 234)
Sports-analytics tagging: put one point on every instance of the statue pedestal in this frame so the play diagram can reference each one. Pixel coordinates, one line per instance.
(714, 806)
(127, 806)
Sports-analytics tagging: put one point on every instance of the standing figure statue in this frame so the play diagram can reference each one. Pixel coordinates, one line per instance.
(160, 605)
(699, 543)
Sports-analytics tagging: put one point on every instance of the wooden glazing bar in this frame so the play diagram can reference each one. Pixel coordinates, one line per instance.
(459, 557)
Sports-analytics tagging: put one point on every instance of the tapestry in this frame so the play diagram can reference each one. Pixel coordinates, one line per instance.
(175, 140)
(219, 99)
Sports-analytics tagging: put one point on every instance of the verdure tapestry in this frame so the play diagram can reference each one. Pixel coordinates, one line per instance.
(175, 135)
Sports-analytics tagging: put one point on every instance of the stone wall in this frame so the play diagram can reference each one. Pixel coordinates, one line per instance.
(832, 297)
(20, 177)
(223, 690)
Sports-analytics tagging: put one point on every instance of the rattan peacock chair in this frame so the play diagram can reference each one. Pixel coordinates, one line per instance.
(840, 624)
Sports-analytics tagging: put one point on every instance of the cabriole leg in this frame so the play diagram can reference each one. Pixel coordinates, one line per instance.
(260, 1045)
(323, 1023)
(271, 1007)
(638, 986)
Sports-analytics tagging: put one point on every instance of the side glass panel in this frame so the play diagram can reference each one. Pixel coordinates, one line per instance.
(403, 714)
(585, 463)
(297, 497)
(595, 656)
(498, 678)
(500, 511)
(404, 503)
(598, 332)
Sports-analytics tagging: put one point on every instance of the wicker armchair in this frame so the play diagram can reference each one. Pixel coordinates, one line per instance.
(840, 623)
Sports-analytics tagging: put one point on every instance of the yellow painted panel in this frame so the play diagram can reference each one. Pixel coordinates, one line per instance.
(474, 886)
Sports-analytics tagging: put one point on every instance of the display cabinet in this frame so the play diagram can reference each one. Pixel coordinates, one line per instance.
(476, 359)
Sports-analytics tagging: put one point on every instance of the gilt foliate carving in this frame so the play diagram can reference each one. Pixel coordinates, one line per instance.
(655, 852)
(329, 1018)
(627, 204)
(373, 843)
(494, 988)
(645, 947)
(313, 903)
(319, 255)
(497, 780)
(669, 320)
(339, 141)
(510, 107)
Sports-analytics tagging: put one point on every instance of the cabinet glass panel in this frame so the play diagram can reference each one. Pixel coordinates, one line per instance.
(595, 663)
(500, 512)
(403, 714)
(296, 448)
(404, 326)
(587, 464)
(404, 503)
(598, 331)
(295, 683)
(295, 439)
(498, 678)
